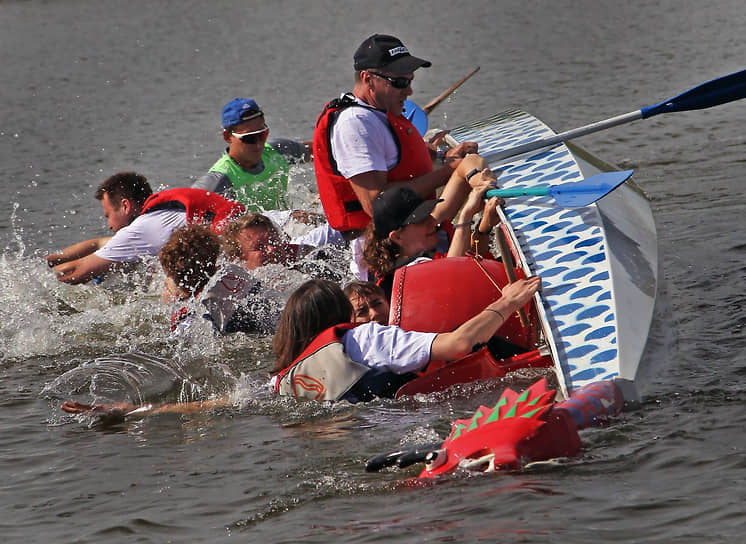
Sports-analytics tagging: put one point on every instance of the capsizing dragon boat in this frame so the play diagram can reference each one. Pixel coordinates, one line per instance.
(598, 263)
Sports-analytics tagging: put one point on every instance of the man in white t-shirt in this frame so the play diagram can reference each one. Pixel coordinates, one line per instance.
(363, 143)
(122, 197)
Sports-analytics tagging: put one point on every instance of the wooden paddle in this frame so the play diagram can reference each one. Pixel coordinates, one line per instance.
(509, 264)
(430, 106)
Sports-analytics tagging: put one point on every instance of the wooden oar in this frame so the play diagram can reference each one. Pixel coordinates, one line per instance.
(418, 115)
(509, 264)
(574, 194)
(711, 93)
(430, 106)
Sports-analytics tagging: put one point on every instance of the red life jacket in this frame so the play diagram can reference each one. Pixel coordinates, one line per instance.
(342, 208)
(200, 206)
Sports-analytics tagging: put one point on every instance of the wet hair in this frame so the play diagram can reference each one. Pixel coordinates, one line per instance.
(363, 289)
(380, 252)
(129, 185)
(190, 255)
(312, 308)
(231, 245)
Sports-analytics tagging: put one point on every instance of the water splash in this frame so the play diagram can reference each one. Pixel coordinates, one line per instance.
(133, 377)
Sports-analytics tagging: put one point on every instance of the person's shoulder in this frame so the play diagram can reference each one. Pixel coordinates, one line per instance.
(371, 125)
(214, 181)
(290, 149)
(231, 280)
(367, 330)
(361, 113)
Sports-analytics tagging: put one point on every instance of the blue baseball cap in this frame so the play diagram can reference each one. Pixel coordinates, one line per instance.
(239, 110)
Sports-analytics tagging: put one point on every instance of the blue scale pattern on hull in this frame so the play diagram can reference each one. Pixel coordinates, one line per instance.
(564, 246)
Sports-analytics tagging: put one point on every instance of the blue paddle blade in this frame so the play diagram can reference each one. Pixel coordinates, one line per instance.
(416, 115)
(711, 93)
(585, 192)
(575, 194)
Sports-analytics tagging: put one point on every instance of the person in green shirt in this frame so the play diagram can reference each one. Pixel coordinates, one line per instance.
(252, 170)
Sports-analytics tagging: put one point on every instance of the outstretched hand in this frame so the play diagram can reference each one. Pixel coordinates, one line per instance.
(107, 413)
(53, 259)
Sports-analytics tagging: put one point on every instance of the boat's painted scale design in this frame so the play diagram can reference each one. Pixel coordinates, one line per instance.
(569, 248)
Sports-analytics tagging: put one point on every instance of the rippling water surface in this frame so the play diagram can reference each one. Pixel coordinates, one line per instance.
(91, 88)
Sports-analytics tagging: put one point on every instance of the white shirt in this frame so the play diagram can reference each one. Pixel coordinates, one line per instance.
(361, 142)
(388, 347)
(385, 347)
(146, 235)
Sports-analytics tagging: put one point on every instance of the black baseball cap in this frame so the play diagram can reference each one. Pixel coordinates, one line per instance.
(397, 207)
(387, 53)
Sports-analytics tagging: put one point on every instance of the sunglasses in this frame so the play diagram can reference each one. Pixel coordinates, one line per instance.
(396, 82)
(252, 137)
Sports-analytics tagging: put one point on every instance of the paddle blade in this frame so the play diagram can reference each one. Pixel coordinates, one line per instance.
(416, 115)
(587, 191)
(574, 194)
(712, 93)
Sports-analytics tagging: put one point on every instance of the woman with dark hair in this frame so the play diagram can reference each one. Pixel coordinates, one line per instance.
(320, 354)
(404, 230)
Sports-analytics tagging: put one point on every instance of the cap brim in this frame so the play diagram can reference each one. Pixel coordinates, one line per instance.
(406, 65)
(421, 212)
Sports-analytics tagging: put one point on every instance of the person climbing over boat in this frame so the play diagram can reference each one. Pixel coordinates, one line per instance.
(235, 301)
(362, 143)
(142, 221)
(405, 230)
(252, 170)
(369, 302)
(320, 355)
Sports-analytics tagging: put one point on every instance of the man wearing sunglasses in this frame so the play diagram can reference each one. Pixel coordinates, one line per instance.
(362, 143)
(252, 170)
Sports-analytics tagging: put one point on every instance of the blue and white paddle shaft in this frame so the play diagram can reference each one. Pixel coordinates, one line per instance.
(706, 95)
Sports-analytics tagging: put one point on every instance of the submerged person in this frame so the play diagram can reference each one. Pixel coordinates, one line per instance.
(142, 222)
(254, 241)
(252, 170)
(405, 231)
(321, 355)
(369, 302)
(235, 301)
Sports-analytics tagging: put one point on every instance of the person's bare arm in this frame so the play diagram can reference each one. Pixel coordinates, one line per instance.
(458, 343)
(77, 251)
(117, 412)
(459, 161)
(83, 269)
(461, 240)
(490, 218)
(457, 189)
